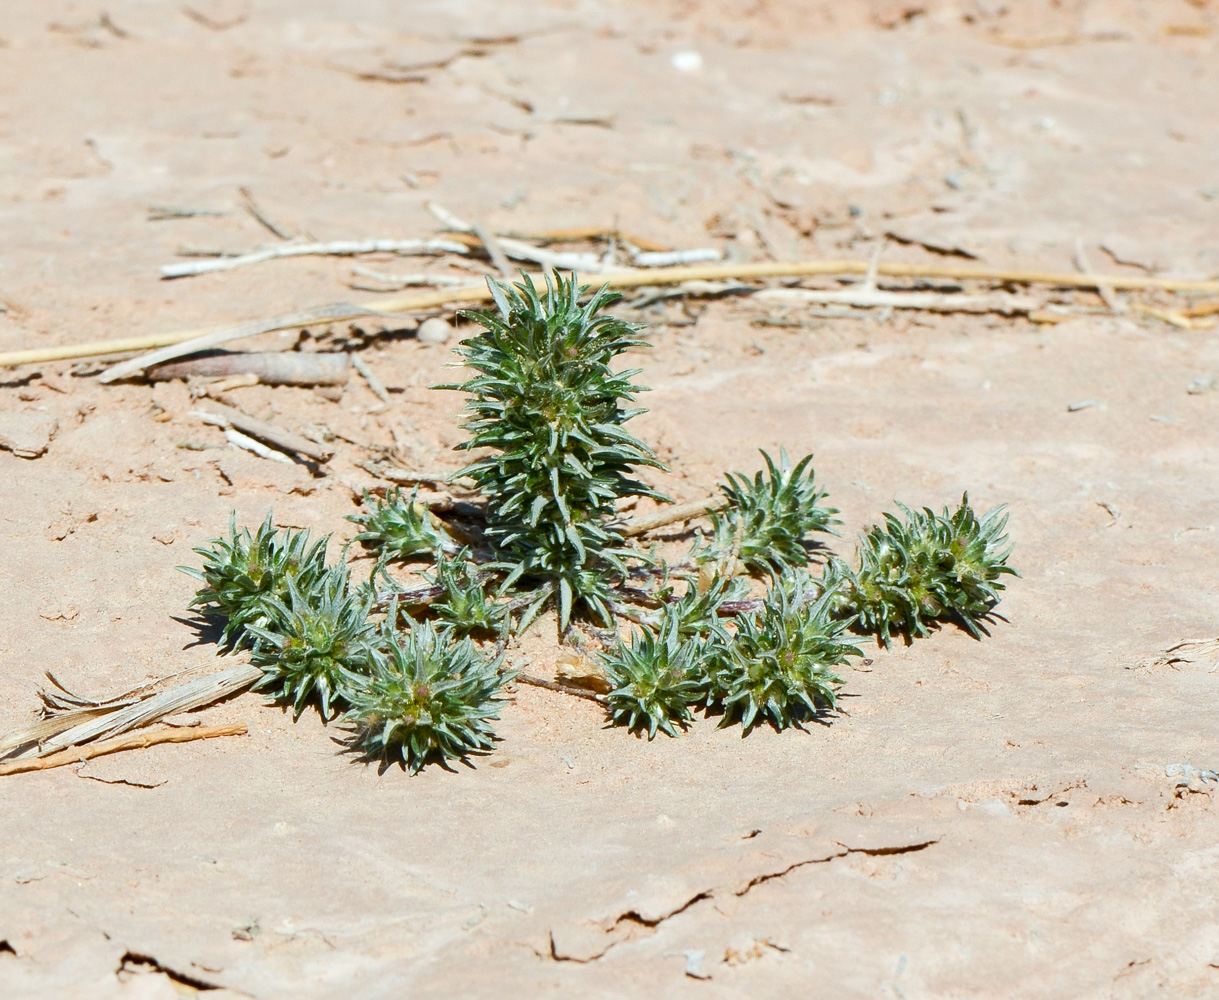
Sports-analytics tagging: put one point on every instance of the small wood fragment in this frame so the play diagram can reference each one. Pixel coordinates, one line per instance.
(575, 692)
(1170, 316)
(275, 368)
(1103, 289)
(280, 438)
(261, 217)
(337, 248)
(255, 447)
(217, 389)
(1202, 309)
(405, 475)
(494, 250)
(671, 515)
(132, 741)
(374, 383)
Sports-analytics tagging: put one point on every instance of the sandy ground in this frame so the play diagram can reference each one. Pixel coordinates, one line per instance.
(992, 818)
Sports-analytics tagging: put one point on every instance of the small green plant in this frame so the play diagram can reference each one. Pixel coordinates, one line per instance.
(547, 414)
(314, 644)
(426, 698)
(779, 667)
(548, 405)
(699, 612)
(464, 607)
(924, 568)
(241, 573)
(400, 529)
(656, 677)
(769, 518)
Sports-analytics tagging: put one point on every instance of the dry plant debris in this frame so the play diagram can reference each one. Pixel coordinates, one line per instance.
(683, 269)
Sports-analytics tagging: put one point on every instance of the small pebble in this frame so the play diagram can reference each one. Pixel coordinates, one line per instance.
(1203, 383)
(687, 61)
(434, 331)
(1083, 404)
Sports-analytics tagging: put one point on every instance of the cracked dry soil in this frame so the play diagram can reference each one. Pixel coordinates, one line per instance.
(991, 818)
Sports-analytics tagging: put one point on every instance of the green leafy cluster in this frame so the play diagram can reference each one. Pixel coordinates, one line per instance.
(417, 694)
(400, 529)
(548, 406)
(698, 612)
(768, 518)
(243, 572)
(777, 665)
(465, 607)
(923, 568)
(547, 414)
(314, 645)
(426, 698)
(656, 678)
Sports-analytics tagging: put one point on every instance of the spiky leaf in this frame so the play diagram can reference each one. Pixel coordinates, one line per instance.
(465, 606)
(923, 568)
(656, 678)
(400, 528)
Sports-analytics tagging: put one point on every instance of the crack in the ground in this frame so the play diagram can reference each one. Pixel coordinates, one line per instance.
(634, 917)
(872, 851)
(636, 925)
(132, 962)
(1028, 800)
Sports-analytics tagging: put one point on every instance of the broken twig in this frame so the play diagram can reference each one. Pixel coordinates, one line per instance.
(671, 515)
(261, 217)
(132, 741)
(575, 692)
(1103, 289)
(870, 297)
(228, 417)
(494, 250)
(337, 248)
(374, 383)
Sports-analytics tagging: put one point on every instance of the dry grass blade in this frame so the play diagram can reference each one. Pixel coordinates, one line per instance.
(44, 729)
(868, 297)
(63, 709)
(192, 341)
(133, 741)
(111, 719)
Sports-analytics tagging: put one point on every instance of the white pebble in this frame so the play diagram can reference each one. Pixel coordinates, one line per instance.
(434, 331)
(687, 61)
